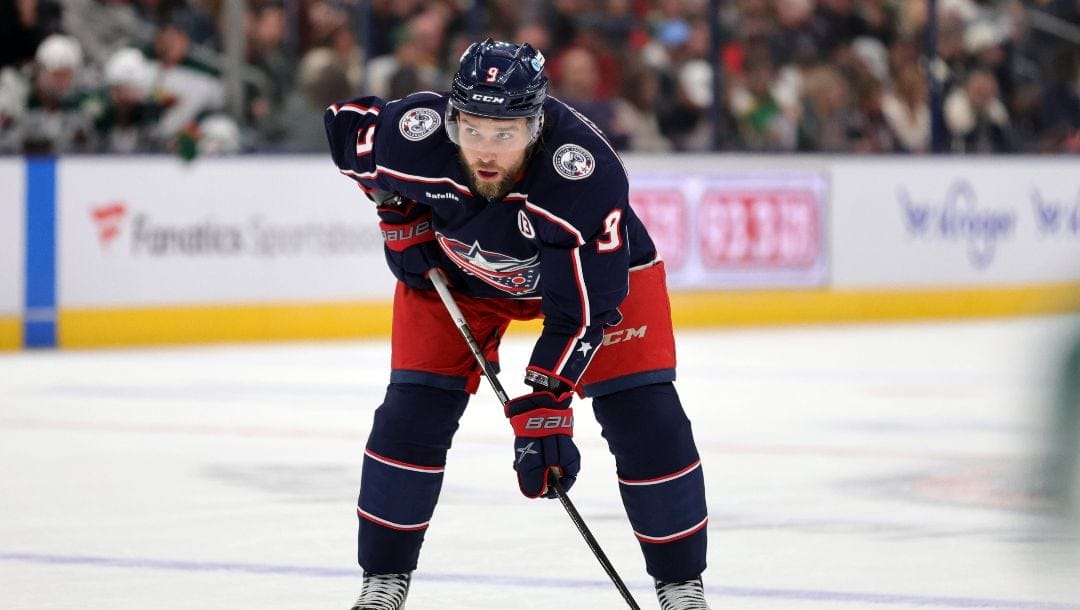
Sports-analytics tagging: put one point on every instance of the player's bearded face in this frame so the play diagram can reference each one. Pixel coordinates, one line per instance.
(492, 152)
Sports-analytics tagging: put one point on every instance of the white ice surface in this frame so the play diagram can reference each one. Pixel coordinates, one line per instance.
(889, 467)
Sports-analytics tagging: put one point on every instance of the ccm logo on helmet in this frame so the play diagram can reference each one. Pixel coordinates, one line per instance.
(478, 97)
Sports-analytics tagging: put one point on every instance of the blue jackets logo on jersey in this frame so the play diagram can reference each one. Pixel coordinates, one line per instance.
(419, 123)
(509, 274)
(573, 162)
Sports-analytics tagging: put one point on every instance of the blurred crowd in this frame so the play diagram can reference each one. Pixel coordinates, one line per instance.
(837, 76)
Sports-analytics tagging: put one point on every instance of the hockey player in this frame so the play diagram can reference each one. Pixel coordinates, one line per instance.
(523, 205)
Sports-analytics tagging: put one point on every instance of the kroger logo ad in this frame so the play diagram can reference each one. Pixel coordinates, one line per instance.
(1012, 222)
(1056, 218)
(956, 216)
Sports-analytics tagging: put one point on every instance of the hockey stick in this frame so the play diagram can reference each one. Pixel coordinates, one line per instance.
(437, 279)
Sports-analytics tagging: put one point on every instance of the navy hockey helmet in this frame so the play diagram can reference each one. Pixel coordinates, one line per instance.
(499, 80)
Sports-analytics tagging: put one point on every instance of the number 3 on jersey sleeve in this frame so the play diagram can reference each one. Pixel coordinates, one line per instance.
(610, 240)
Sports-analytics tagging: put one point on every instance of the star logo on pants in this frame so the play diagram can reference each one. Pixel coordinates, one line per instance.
(526, 450)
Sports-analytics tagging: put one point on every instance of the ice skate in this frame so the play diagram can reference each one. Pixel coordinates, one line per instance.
(685, 595)
(383, 592)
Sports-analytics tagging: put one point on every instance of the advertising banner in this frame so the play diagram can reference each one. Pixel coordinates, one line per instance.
(12, 235)
(145, 232)
(953, 222)
(740, 230)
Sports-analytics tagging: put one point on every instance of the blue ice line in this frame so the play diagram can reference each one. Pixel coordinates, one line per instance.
(517, 581)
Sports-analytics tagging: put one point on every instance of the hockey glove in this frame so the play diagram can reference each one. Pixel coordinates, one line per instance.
(543, 425)
(409, 238)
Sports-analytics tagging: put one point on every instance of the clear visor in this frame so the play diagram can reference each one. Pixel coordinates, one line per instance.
(488, 135)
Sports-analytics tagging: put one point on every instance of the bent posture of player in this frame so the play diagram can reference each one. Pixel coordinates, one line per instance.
(523, 204)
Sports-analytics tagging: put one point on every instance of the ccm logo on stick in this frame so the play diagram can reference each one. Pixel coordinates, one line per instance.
(550, 422)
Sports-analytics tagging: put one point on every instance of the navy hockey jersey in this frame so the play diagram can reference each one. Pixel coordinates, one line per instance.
(564, 234)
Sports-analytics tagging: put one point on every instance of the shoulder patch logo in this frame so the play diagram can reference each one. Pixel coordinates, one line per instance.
(419, 123)
(573, 162)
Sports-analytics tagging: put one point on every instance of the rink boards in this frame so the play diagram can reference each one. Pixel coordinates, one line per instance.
(103, 251)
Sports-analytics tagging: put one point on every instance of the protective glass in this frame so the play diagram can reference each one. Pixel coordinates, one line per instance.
(490, 135)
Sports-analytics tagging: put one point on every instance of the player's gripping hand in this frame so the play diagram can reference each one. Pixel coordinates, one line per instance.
(410, 239)
(543, 426)
(410, 264)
